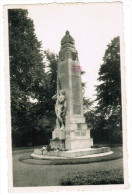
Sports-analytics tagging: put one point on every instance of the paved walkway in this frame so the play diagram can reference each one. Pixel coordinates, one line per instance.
(26, 175)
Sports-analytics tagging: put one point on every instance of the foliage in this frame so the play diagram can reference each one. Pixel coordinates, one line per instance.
(109, 89)
(108, 118)
(94, 178)
(31, 85)
(51, 80)
(89, 112)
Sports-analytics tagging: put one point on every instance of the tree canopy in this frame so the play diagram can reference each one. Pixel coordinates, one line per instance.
(108, 109)
(109, 90)
(31, 85)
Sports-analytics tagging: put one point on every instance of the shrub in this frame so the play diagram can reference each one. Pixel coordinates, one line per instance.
(94, 178)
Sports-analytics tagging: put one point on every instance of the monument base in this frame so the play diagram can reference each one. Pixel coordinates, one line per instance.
(72, 153)
(75, 135)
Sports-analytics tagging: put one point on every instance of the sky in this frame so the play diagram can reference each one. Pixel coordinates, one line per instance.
(92, 25)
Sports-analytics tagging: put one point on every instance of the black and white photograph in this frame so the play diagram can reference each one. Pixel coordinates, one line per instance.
(66, 96)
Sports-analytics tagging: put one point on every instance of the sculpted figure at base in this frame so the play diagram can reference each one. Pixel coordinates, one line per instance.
(60, 109)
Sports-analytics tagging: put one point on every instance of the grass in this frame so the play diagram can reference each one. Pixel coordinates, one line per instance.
(29, 172)
(93, 178)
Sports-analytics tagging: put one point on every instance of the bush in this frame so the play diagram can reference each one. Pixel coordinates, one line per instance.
(94, 178)
(106, 136)
(31, 137)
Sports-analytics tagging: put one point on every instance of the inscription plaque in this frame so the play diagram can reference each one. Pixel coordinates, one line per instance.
(77, 133)
(83, 133)
(76, 93)
(62, 69)
(76, 109)
(79, 126)
(76, 96)
(64, 82)
(75, 82)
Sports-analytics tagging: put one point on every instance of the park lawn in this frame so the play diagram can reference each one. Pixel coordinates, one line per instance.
(32, 172)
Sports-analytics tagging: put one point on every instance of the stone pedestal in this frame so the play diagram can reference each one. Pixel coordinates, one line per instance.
(76, 134)
(58, 140)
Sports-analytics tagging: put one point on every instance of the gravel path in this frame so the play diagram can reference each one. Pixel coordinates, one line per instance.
(26, 175)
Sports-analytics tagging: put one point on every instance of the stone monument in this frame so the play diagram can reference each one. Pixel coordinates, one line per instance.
(73, 133)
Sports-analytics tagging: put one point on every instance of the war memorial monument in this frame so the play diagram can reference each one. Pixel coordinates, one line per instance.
(71, 135)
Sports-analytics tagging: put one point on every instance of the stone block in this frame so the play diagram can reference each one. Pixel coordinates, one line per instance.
(38, 151)
(78, 134)
(44, 152)
(58, 134)
(78, 144)
(75, 126)
(82, 126)
(75, 120)
(57, 144)
(71, 126)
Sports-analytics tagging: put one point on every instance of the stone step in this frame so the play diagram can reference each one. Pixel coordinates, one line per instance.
(78, 152)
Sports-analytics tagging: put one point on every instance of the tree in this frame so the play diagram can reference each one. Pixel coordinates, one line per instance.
(46, 106)
(108, 110)
(26, 76)
(89, 112)
(51, 72)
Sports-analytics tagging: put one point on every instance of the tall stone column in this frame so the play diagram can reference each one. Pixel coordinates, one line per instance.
(76, 134)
